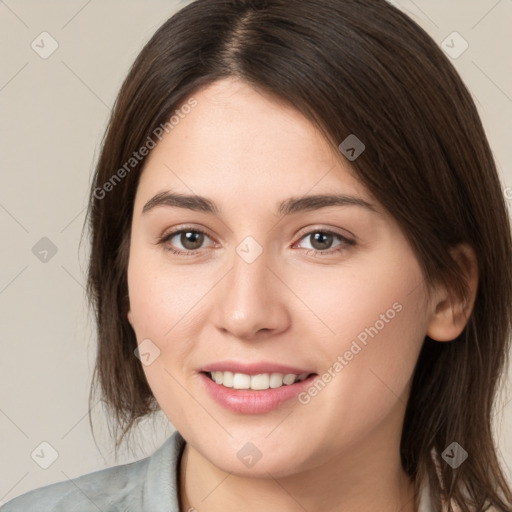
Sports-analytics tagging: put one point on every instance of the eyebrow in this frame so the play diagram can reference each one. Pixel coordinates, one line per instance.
(287, 207)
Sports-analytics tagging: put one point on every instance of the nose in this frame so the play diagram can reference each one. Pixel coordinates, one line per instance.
(251, 301)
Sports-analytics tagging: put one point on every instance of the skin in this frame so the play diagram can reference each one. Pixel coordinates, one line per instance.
(247, 151)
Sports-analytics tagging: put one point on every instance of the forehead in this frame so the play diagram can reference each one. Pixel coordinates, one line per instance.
(239, 141)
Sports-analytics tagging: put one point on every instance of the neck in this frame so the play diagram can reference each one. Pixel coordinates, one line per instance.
(365, 479)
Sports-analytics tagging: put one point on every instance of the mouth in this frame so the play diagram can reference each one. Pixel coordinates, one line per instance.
(255, 388)
(258, 382)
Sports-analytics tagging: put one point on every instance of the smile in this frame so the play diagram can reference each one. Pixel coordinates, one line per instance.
(258, 382)
(255, 392)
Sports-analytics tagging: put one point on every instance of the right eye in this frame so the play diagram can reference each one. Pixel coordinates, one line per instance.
(191, 239)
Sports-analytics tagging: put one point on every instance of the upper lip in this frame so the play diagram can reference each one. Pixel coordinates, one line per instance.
(253, 368)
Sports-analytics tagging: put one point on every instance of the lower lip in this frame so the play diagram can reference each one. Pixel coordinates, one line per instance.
(247, 401)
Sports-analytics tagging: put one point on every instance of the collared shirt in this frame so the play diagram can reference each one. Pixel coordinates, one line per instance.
(147, 485)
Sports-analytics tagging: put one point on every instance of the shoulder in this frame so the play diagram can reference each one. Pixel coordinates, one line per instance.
(99, 490)
(118, 488)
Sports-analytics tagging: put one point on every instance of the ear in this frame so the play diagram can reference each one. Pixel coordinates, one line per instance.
(130, 317)
(449, 315)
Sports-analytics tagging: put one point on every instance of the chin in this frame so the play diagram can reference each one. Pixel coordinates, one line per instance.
(256, 459)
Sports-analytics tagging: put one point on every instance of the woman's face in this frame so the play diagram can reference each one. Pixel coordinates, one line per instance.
(326, 290)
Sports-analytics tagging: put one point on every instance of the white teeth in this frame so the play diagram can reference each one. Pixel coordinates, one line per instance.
(260, 381)
(228, 379)
(256, 382)
(241, 381)
(289, 378)
(276, 380)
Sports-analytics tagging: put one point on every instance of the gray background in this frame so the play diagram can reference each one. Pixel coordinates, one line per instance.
(53, 113)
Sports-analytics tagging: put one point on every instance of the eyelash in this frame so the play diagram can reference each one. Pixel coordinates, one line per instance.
(346, 242)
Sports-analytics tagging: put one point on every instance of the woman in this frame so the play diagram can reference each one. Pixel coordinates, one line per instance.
(301, 254)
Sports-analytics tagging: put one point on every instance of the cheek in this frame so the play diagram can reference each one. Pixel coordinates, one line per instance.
(164, 298)
(371, 296)
(167, 305)
(377, 313)
(371, 385)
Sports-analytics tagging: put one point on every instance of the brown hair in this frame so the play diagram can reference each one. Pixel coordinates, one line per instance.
(352, 67)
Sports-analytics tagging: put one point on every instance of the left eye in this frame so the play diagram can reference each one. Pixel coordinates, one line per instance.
(321, 241)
